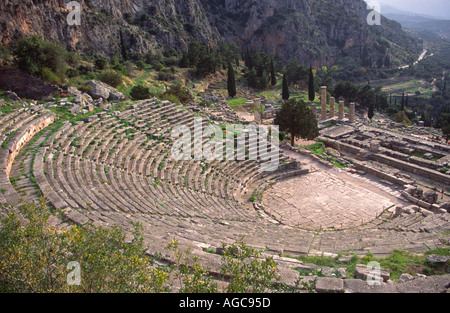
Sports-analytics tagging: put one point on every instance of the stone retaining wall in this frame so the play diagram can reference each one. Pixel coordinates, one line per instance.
(24, 135)
(412, 168)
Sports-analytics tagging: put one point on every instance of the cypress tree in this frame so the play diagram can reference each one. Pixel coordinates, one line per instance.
(402, 106)
(371, 113)
(285, 93)
(273, 78)
(123, 47)
(311, 93)
(231, 83)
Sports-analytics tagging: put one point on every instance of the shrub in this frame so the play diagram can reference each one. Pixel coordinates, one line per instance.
(100, 63)
(48, 75)
(33, 54)
(165, 76)
(111, 78)
(140, 93)
(180, 92)
(170, 97)
(158, 66)
(72, 72)
(34, 258)
(140, 64)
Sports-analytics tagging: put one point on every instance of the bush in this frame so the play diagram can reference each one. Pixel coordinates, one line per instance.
(71, 72)
(180, 92)
(165, 76)
(33, 54)
(100, 63)
(170, 97)
(140, 64)
(35, 258)
(158, 66)
(47, 75)
(111, 78)
(140, 93)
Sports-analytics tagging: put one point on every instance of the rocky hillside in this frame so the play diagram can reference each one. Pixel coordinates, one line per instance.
(310, 30)
(320, 31)
(145, 25)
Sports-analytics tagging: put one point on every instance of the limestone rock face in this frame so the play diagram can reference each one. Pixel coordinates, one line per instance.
(144, 24)
(308, 30)
(303, 29)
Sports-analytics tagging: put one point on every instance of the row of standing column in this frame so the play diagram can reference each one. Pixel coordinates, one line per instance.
(323, 109)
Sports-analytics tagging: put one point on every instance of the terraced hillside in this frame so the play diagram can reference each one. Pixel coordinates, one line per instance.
(114, 168)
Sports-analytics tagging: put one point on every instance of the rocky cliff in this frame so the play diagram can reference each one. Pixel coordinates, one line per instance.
(317, 31)
(310, 30)
(145, 24)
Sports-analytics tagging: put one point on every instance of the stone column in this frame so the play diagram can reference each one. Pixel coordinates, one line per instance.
(332, 108)
(352, 112)
(323, 102)
(341, 110)
(314, 109)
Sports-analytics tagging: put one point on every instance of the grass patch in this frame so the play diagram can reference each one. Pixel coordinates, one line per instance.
(237, 102)
(318, 148)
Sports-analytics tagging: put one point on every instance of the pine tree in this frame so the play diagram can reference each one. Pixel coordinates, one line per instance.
(298, 120)
(231, 83)
(285, 92)
(311, 92)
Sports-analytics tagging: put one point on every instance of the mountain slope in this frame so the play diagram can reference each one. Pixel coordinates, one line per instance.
(316, 31)
(146, 25)
(310, 30)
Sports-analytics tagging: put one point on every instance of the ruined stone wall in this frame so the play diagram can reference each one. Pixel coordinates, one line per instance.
(23, 136)
(412, 168)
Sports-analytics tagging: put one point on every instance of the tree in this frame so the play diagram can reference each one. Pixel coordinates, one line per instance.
(285, 92)
(297, 119)
(311, 92)
(273, 77)
(387, 61)
(184, 61)
(402, 105)
(123, 47)
(371, 113)
(37, 57)
(231, 83)
(446, 132)
(252, 79)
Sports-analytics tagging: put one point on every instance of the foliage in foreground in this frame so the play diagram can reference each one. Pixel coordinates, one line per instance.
(36, 258)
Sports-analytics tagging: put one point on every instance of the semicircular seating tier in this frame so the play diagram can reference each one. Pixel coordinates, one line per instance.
(115, 169)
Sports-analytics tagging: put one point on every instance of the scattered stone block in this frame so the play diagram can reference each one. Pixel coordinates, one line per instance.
(430, 196)
(430, 284)
(437, 259)
(428, 156)
(363, 271)
(405, 278)
(360, 286)
(425, 212)
(327, 284)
